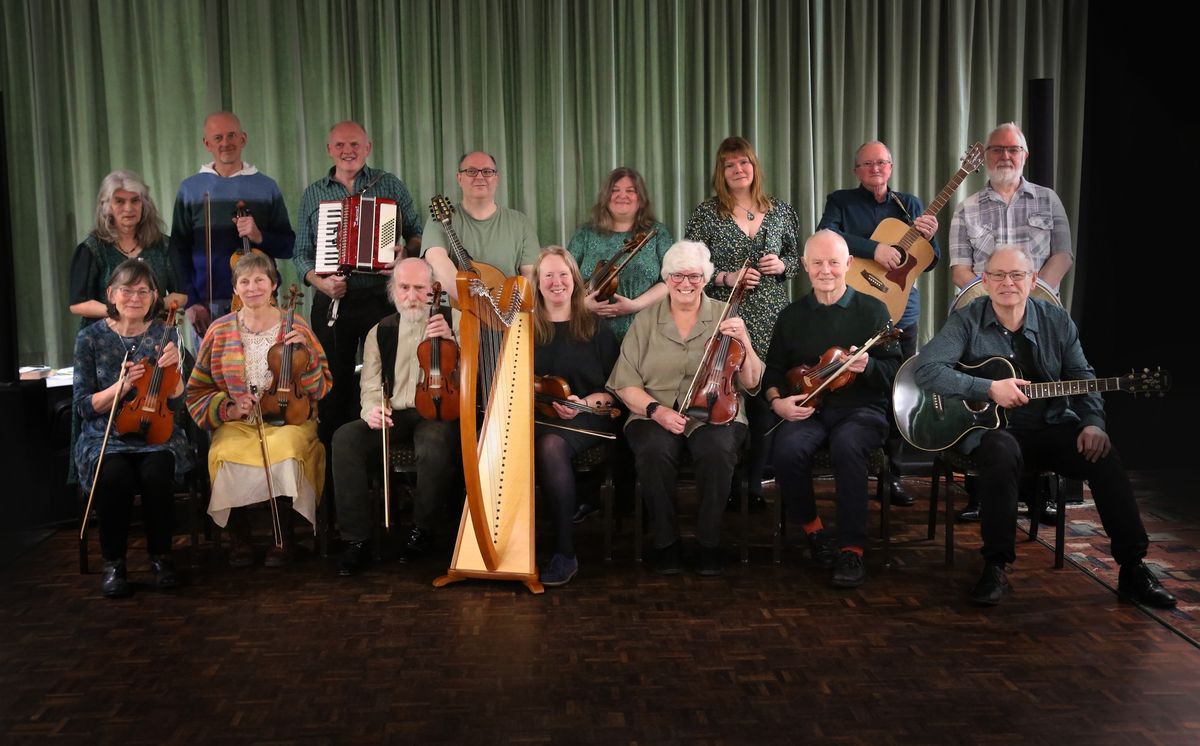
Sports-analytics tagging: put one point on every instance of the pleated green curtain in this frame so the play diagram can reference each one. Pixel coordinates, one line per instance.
(559, 92)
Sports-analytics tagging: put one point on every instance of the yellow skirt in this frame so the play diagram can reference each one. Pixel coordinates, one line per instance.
(235, 468)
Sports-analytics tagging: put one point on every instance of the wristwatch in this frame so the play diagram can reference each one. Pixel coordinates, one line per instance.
(650, 409)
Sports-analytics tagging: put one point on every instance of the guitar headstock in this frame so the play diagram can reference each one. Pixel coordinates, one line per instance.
(1146, 382)
(441, 209)
(973, 158)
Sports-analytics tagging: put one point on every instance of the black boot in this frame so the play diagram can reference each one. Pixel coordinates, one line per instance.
(114, 584)
(281, 556)
(241, 545)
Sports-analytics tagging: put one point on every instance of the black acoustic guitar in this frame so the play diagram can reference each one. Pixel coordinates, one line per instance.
(933, 422)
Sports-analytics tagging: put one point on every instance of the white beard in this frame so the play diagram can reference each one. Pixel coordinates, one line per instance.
(413, 315)
(1005, 177)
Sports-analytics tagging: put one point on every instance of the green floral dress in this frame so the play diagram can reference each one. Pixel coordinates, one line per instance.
(589, 247)
(730, 247)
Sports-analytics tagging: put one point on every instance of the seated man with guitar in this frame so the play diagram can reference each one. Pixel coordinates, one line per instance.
(1063, 434)
(830, 396)
(497, 236)
(392, 371)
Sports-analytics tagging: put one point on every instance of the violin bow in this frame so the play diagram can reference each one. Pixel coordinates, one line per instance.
(87, 511)
(886, 331)
(580, 430)
(384, 406)
(208, 247)
(262, 442)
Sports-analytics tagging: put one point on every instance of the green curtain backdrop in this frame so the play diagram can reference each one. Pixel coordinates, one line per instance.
(560, 92)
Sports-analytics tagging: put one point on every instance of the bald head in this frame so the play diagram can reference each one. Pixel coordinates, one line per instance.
(224, 139)
(826, 239)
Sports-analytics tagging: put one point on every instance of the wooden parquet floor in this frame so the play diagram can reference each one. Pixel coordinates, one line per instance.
(762, 655)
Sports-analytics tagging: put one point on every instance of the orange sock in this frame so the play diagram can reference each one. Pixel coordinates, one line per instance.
(856, 550)
(813, 526)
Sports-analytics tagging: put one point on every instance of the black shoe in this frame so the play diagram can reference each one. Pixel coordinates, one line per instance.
(164, 572)
(1137, 584)
(849, 570)
(583, 512)
(669, 562)
(992, 586)
(417, 545)
(355, 558)
(969, 514)
(115, 584)
(710, 563)
(559, 571)
(900, 498)
(820, 548)
(1049, 513)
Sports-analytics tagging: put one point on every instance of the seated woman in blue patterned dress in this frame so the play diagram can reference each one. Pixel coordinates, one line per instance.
(130, 466)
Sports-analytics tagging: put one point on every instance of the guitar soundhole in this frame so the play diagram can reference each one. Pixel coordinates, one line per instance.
(977, 406)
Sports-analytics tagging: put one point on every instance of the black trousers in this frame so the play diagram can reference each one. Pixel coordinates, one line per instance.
(358, 452)
(123, 475)
(851, 435)
(1003, 455)
(714, 451)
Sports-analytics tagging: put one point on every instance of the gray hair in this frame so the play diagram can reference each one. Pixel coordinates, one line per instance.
(686, 255)
(1011, 127)
(1013, 249)
(825, 235)
(872, 142)
(149, 229)
(391, 285)
(463, 157)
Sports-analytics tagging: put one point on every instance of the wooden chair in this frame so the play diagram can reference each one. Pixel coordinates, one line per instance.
(822, 468)
(949, 461)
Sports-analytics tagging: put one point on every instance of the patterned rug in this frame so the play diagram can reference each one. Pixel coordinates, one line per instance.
(1172, 520)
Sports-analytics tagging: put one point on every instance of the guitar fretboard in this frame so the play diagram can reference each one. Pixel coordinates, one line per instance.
(935, 206)
(1071, 388)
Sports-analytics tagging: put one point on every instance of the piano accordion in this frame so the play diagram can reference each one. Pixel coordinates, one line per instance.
(356, 234)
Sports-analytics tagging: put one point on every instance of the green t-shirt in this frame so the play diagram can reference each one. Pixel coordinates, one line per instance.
(506, 240)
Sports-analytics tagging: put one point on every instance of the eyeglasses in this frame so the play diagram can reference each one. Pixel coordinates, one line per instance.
(692, 277)
(140, 293)
(874, 164)
(486, 173)
(1000, 149)
(1016, 275)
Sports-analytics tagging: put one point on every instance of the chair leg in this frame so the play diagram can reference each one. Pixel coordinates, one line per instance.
(607, 491)
(638, 528)
(949, 477)
(777, 513)
(1036, 510)
(883, 492)
(744, 550)
(934, 476)
(1060, 528)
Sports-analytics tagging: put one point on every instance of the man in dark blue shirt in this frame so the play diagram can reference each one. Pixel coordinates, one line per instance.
(854, 214)
(1066, 435)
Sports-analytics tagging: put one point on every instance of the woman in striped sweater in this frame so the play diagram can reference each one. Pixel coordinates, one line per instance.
(230, 374)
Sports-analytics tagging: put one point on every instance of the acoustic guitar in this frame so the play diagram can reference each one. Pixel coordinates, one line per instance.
(933, 422)
(893, 286)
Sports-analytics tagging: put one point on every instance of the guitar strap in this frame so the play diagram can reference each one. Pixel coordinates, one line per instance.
(907, 215)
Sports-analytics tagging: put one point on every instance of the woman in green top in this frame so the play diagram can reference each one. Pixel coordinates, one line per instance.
(127, 227)
(623, 209)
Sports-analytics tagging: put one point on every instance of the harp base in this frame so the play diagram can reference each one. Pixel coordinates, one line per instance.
(455, 576)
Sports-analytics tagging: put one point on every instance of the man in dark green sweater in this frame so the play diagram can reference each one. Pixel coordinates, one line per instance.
(850, 421)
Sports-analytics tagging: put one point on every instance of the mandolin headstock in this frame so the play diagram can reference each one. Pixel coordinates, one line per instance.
(441, 209)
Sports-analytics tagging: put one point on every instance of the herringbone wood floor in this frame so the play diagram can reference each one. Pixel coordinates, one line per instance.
(760, 655)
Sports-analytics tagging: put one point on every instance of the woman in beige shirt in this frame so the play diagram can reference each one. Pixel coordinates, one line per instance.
(659, 358)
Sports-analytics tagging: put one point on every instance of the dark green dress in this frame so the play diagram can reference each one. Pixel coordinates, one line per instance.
(590, 246)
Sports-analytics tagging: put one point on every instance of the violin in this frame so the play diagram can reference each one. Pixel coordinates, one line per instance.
(832, 370)
(284, 399)
(713, 396)
(146, 412)
(606, 277)
(437, 390)
(551, 390)
(243, 212)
